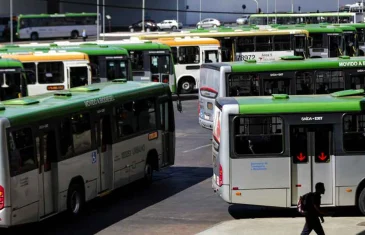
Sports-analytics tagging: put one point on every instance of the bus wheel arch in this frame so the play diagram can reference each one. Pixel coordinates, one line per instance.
(186, 84)
(34, 36)
(76, 196)
(360, 197)
(150, 166)
(74, 34)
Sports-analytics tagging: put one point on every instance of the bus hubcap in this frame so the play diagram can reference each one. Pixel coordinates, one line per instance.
(186, 86)
(75, 202)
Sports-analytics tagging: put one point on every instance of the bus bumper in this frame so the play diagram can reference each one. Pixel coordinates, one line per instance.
(222, 191)
(206, 124)
(5, 218)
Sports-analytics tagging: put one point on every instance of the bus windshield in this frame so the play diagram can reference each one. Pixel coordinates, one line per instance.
(13, 85)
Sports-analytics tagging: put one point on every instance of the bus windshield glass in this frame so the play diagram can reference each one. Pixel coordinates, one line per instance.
(13, 85)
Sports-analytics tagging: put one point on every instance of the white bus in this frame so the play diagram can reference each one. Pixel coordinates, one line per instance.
(62, 149)
(50, 71)
(189, 54)
(68, 25)
(270, 150)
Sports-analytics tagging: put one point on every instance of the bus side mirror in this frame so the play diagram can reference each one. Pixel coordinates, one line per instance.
(310, 40)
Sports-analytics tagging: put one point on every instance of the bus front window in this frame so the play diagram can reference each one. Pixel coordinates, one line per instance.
(11, 86)
(335, 45)
(300, 45)
(350, 44)
(277, 86)
(211, 56)
(243, 85)
(161, 68)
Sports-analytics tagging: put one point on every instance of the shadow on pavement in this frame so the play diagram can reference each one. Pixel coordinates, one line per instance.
(251, 211)
(122, 203)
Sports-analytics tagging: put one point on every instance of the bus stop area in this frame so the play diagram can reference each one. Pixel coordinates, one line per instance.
(282, 226)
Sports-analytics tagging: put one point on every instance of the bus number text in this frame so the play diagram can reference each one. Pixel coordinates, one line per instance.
(246, 57)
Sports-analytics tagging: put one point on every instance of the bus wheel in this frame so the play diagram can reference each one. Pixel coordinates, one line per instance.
(361, 202)
(34, 36)
(148, 173)
(75, 199)
(74, 34)
(187, 85)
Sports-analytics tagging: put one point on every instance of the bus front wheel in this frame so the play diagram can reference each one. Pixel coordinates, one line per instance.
(34, 36)
(361, 202)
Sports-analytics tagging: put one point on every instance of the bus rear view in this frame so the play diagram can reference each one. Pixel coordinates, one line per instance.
(282, 145)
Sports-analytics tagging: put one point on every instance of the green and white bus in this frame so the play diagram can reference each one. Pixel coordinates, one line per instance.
(65, 148)
(69, 25)
(291, 75)
(306, 18)
(150, 61)
(282, 145)
(107, 63)
(13, 83)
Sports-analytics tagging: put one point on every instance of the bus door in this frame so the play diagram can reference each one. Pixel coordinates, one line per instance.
(78, 75)
(104, 143)
(311, 153)
(334, 45)
(46, 154)
(161, 68)
(300, 45)
(228, 53)
(167, 132)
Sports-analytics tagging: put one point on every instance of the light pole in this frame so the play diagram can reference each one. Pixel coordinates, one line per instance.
(11, 21)
(103, 19)
(177, 11)
(276, 20)
(200, 14)
(257, 8)
(142, 15)
(292, 6)
(267, 11)
(98, 20)
(338, 11)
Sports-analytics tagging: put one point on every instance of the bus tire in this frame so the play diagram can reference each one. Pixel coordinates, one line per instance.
(75, 199)
(34, 36)
(187, 85)
(74, 34)
(132, 30)
(361, 201)
(148, 172)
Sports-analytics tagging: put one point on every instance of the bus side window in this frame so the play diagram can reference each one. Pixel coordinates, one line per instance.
(81, 133)
(50, 72)
(30, 71)
(145, 112)
(65, 138)
(189, 55)
(125, 119)
(22, 157)
(354, 133)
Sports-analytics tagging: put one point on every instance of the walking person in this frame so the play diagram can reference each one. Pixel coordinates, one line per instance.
(84, 35)
(313, 212)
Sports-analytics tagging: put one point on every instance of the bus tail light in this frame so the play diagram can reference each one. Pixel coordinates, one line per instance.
(155, 78)
(2, 197)
(220, 181)
(165, 78)
(208, 92)
(217, 127)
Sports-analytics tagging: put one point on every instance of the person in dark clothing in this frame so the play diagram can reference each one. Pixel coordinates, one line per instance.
(314, 212)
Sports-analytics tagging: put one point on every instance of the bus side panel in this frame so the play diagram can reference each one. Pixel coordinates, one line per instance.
(84, 165)
(346, 178)
(5, 214)
(130, 157)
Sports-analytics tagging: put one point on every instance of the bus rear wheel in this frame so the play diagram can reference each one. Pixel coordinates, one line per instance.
(74, 34)
(361, 201)
(187, 85)
(75, 200)
(34, 36)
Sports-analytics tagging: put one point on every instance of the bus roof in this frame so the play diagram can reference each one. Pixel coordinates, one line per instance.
(316, 28)
(90, 50)
(10, 63)
(47, 56)
(280, 104)
(20, 111)
(215, 34)
(303, 14)
(188, 41)
(56, 15)
(288, 64)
